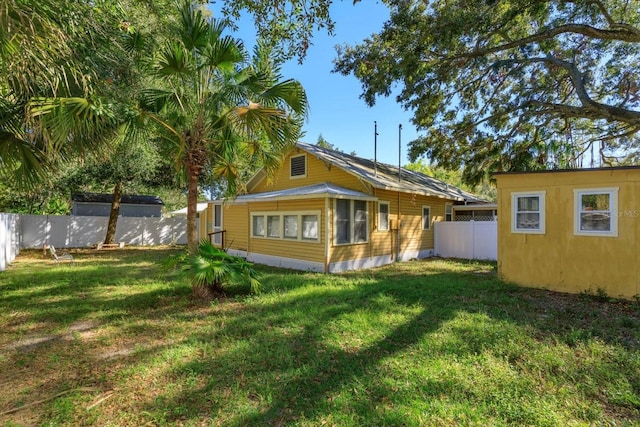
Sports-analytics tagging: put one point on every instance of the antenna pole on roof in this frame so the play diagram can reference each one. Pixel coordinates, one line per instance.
(399, 152)
(375, 147)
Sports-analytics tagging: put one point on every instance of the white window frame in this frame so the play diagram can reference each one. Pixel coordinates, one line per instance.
(264, 227)
(388, 205)
(270, 231)
(422, 218)
(613, 209)
(352, 223)
(284, 223)
(541, 195)
(449, 207)
(305, 166)
(281, 214)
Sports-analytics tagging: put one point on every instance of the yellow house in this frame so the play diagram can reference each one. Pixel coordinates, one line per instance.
(328, 211)
(571, 230)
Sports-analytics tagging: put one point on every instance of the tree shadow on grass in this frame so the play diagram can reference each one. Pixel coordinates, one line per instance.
(294, 354)
(304, 371)
(281, 363)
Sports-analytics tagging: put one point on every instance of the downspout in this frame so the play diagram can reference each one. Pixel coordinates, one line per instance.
(372, 225)
(398, 231)
(326, 234)
(248, 231)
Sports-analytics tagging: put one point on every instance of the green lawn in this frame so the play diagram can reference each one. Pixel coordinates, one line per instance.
(113, 341)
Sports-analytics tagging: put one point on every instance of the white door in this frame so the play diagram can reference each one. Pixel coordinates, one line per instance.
(217, 225)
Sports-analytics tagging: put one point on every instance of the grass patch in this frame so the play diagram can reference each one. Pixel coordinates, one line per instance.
(113, 341)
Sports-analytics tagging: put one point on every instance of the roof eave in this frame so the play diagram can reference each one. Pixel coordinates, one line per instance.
(414, 191)
(325, 195)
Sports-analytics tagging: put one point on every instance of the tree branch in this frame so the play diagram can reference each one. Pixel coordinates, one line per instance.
(621, 32)
(590, 109)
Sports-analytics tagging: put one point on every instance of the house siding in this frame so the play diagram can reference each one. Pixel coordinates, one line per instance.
(240, 219)
(317, 171)
(560, 260)
(382, 245)
(236, 225)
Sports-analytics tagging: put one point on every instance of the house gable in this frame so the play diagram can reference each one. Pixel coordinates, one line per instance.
(317, 171)
(310, 164)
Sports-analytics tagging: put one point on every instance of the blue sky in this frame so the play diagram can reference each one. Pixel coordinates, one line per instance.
(336, 110)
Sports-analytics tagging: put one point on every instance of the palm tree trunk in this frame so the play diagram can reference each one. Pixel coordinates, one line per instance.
(192, 211)
(115, 212)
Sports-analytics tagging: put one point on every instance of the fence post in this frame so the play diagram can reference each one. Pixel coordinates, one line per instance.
(473, 239)
(3, 255)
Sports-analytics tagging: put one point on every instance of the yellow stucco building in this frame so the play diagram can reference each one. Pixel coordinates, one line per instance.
(571, 230)
(329, 211)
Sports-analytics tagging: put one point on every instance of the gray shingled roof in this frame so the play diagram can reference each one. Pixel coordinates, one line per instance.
(387, 176)
(324, 189)
(127, 199)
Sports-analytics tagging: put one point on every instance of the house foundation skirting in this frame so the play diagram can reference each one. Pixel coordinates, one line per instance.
(356, 264)
(278, 261)
(334, 267)
(409, 255)
(378, 261)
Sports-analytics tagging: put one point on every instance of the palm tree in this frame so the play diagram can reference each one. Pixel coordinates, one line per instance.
(220, 106)
(48, 80)
(211, 268)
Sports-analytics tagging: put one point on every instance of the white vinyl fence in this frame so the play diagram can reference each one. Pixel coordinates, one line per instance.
(467, 239)
(83, 231)
(9, 238)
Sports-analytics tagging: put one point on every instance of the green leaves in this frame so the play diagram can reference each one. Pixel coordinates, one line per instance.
(215, 106)
(212, 267)
(175, 59)
(508, 84)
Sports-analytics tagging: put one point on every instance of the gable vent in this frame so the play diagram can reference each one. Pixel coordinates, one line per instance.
(298, 166)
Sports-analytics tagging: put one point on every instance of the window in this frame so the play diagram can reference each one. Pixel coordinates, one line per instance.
(343, 218)
(528, 212)
(309, 227)
(298, 166)
(258, 226)
(290, 226)
(351, 218)
(448, 212)
(273, 226)
(360, 221)
(383, 216)
(595, 212)
(426, 217)
(302, 226)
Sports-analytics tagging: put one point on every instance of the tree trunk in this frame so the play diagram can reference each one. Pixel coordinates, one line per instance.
(192, 211)
(113, 215)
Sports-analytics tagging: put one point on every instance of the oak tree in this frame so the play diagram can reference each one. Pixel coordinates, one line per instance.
(503, 85)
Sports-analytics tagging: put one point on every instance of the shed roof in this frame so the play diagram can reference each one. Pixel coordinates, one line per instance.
(606, 168)
(127, 199)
